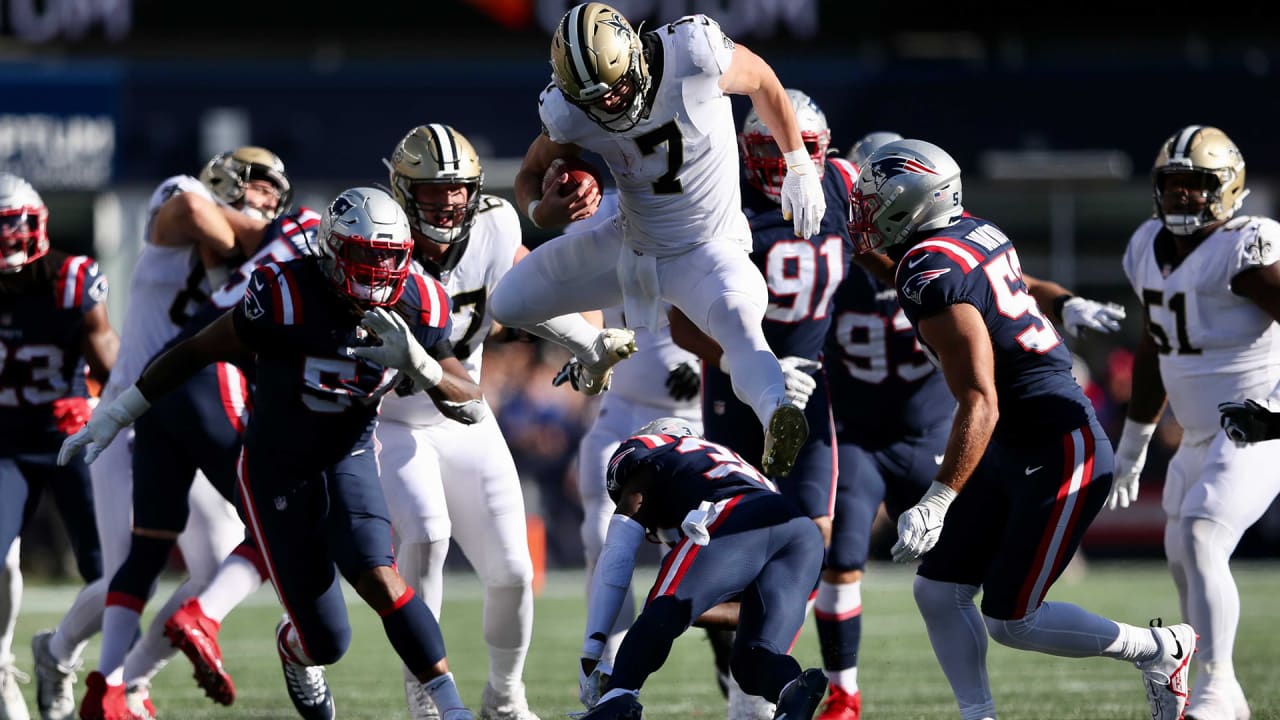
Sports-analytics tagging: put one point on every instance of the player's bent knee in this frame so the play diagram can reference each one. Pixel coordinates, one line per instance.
(327, 645)
(762, 671)
(664, 617)
(1010, 633)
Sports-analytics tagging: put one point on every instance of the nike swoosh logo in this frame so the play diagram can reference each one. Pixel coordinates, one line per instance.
(917, 261)
(1177, 645)
(1030, 470)
(937, 459)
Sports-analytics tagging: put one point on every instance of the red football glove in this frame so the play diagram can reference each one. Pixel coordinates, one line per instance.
(71, 414)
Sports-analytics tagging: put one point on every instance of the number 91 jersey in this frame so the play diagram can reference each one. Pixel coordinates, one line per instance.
(1214, 345)
(973, 262)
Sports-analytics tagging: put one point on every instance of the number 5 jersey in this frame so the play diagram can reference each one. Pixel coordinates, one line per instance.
(1214, 345)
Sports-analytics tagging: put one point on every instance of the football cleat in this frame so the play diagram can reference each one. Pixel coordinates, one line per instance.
(612, 346)
(12, 705)
(421, 706)
(196, 635)
(1165, 677)
(495, 706)
(55, 696)
(306, 684)
(841, 705)
(783, 439)
(137, 697)
(103, 701)
(747, 707)
(800, 698)
(619, 707)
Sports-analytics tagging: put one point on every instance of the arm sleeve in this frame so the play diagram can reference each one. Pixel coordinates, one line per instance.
(609, 583)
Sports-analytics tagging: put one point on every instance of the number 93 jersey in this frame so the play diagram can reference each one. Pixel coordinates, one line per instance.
(677, 169)
(973, 262)
(310, 387)
(1214, 345)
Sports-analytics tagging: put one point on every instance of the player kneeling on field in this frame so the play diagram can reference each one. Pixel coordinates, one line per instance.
(733, 534)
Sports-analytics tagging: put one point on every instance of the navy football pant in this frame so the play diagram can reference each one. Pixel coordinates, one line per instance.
(896, 473)
(762, 547)
(1020, 518)
(196, 427)
(812, 481)
(24, 477)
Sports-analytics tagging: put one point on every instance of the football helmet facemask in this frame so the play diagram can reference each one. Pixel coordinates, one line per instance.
(598, 63)
(1208, 153)
(440, 156)
(905, 187)
(761, 156)
(365, 246)
(673, 426)
(868, 144)
(226, 175)
(24, 219)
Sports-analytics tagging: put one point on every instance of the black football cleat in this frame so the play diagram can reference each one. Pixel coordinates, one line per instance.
(800, 698)
(621, 707)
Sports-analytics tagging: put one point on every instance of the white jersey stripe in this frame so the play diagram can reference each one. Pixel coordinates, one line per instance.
(285, 297)
(71, 282)
(1076, 463)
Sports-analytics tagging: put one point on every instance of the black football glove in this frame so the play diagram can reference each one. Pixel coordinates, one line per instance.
(683, 382)
(567, 374)
(1249, 422)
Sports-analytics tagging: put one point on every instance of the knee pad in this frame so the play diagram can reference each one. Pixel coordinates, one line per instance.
(1010, 632)
(940, 596)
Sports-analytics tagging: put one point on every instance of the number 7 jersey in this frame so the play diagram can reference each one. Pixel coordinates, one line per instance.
(1214, 345)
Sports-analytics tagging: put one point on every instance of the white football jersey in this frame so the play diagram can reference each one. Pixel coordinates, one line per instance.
(490, 251)
(677, 170)
(1215, 346)
(166, 286)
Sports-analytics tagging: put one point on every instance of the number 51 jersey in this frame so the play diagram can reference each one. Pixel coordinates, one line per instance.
(1214, 345)
(974, 262)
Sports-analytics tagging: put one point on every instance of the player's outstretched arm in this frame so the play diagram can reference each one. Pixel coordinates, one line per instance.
(99, 343)
(609, 583)
(1146, 403)
(1073, 313)
(959, 337)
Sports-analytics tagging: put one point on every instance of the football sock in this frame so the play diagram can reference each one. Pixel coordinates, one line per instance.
(82, 621)
(839, 619)
(508, 629)
(959, 640)
(414, 633)
(1067, 630)
(444, 692)
(1213, 601)
(10, 599)
(238, 577)
(571, 332)
(421, 564)
(119, 630)
(153, 650)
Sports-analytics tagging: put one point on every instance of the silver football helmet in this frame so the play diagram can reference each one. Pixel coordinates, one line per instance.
(598, 63)
(674, 426)
(226, 175)
(365, 246)
(24, 221)
(1208, 153)
(906, 186)
(437, 155)
(868, 144)
(760, 154)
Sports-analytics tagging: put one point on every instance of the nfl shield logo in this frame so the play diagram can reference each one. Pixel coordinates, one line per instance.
(281, 502)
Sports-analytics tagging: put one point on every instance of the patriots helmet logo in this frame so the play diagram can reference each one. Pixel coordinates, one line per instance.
(895, 165)
(914, 287)
(612, 484)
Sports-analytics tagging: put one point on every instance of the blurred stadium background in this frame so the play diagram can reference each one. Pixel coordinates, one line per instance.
(1054, 116)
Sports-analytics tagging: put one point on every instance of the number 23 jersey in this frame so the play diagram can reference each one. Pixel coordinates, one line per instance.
(973, 262)
(1214, 345)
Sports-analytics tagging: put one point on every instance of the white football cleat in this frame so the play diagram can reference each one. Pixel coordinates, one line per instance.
(747, 707)
(55, 696)
(12, 705)
(1165, 677)
(495, 706)
(421, 706)
(612, 346)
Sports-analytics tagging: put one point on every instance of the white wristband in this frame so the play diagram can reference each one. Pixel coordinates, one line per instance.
(724, 363)
(133, 403)
(938, 495)
(427, 373)
(528, 211)
(799, 160)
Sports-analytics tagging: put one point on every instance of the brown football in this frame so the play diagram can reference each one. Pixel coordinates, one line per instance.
(579, 170)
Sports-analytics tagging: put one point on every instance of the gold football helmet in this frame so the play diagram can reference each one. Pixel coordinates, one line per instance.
(598, 63)
(1207, 152)
(227, 173)
(437, 155)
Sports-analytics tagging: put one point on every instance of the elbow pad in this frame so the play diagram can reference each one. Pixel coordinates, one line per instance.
(469, 412)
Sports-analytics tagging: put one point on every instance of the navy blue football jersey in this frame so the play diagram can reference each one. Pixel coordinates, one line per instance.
(882, 384)
(974, 262)
(802, 275)
(42, 309)
(311, 390)
(685, 471)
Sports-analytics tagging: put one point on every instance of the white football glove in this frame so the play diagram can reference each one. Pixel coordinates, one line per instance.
(399, 348)
(591, 687)
(797, 377)
(1080, 313)
(920, 526)
(802, 198)
(107, 422)
(1131, 455)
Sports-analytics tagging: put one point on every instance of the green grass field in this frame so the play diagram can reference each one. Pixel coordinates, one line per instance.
(899, 677)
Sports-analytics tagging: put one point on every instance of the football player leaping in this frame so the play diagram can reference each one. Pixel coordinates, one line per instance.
(1026, 466)
(1211, 287)
(655, 107)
